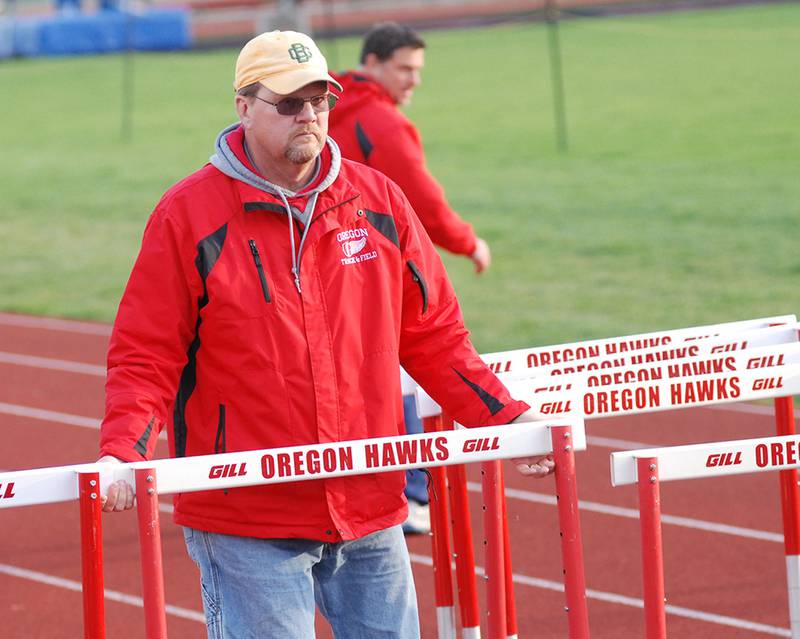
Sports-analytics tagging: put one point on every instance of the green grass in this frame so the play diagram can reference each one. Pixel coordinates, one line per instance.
(677, 203)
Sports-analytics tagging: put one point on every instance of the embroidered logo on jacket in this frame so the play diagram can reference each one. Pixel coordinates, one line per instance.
(353, 246)
(353, 242)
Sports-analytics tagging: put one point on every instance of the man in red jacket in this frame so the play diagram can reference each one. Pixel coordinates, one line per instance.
(369, 127)
(277, 291)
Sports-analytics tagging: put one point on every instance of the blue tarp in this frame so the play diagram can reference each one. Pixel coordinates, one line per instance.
(71, 32)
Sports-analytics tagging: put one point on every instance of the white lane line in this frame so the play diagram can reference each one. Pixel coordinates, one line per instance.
(752, 409)
(616, 444)
(54, 324)
(52, 364)
(610, 597)
(632, 513)
(193, 615)
(49, 415)
(55, 417)
(111, 595)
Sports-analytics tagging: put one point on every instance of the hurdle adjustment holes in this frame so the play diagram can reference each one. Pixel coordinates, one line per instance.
(93, 483)
(652, 480)
(652, 467)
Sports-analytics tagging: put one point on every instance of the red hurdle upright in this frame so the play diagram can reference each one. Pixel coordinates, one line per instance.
(494, 549)
(155, 616)
(655, 615)
(790, 502)
(94, 622)
(440, 543)
(570, 526)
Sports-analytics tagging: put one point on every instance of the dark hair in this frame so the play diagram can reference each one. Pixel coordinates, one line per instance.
(386, 37)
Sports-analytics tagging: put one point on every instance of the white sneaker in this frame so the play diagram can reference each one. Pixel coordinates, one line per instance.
(419, 519)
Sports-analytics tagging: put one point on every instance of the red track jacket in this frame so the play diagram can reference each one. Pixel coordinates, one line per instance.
(214, 341)
(369, 128)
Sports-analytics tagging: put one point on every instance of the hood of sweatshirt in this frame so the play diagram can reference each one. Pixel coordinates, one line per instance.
(230, 157)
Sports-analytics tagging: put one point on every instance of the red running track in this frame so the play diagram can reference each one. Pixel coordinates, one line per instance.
(725, 571)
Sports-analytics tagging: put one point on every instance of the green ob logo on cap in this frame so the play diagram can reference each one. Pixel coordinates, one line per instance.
(299, 52)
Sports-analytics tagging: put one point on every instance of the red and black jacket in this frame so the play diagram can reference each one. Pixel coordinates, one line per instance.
(214, 342)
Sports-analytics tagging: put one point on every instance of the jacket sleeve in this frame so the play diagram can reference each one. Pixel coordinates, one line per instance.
(435, 347)
(155, 324)
(399, 155)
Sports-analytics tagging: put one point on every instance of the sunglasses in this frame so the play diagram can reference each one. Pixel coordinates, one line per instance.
(293, 106)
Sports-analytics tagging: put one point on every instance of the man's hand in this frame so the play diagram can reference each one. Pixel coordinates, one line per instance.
(119, 495)
(535, 466)
(481, 256)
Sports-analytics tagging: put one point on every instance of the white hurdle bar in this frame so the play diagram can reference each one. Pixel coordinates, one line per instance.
(649, 467)
(760, 348)
(520, 360)
(85, 482)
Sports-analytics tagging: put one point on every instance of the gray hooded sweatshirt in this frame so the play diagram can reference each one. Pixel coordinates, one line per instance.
(226, 161)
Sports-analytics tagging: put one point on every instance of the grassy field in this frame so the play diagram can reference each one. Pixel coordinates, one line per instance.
(677, 202)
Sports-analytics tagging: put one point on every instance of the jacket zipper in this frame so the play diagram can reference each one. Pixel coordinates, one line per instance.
(260, 269)
(220, 442)
(416, 275)
(220, 445)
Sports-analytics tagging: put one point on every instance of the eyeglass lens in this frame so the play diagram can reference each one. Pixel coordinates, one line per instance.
(293, 106)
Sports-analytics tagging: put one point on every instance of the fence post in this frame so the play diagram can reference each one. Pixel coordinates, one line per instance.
(155, 615)
(570, 525)
(94, 625)
(652, 552)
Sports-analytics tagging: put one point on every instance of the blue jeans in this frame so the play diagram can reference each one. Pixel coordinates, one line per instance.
(263, 588)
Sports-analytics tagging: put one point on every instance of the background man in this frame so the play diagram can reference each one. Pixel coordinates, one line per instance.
(370, 128)
(275, 295)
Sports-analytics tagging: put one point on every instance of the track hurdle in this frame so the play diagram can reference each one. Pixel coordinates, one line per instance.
(649, 467)
(721, 363)
(501, 614)
(260, 467)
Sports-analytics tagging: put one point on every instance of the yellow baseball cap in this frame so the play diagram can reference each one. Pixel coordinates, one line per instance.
(283, 61)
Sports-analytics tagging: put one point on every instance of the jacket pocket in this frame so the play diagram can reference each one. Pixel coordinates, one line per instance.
(220, 443)
(416, 275)
(260, 269)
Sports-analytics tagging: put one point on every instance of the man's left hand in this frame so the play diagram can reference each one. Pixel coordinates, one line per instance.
(537, 467)
(540, 466)
(481, 256)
